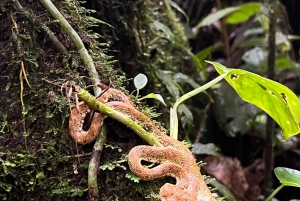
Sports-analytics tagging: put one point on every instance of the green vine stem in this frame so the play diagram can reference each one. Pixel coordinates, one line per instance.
(274, 192)
(173, 112)
(87, 59)
(90, 100)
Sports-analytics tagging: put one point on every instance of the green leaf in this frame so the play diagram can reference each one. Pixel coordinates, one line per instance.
(7, 163)
(287, 176)
(274, 98)
(252, 42)
(155, 96)
(209, 149)
(108, 166)
(243, 13)
(174, 5)
(186, 116)
(40, 175)
(21, 155)
(167, 80)
(282, 62)
(140, 81)
(216, 16)
(95, 20)
(164, 29)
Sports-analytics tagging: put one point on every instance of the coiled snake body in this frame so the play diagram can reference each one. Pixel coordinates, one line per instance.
(174, 158)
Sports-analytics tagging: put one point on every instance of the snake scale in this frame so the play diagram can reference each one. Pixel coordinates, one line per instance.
(174, 158)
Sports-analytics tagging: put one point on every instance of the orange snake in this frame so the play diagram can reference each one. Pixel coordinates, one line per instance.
(174, 158)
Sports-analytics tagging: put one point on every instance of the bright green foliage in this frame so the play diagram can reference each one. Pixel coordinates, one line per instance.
(275, 99)
(243, 13)
(287, 176)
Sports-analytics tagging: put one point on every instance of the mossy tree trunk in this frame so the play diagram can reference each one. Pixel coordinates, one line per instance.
(39, 160)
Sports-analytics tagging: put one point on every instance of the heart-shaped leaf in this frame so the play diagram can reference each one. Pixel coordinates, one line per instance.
(287, 176)
(274, 98)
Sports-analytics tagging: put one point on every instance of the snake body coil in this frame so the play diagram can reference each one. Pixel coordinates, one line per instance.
(174, 159)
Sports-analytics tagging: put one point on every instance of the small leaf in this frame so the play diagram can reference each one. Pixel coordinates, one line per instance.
(140, 81)
(133, 177)
(40, 175)
(107, 165)
(155, 96)
(287, 176)
(165, 29)
(21, 155)
(243, 13)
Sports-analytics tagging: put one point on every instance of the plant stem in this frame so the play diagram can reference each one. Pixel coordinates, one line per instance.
(173, 115)
(268, 151)
(274, 192)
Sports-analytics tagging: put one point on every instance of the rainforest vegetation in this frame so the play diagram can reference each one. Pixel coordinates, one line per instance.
(210, 80)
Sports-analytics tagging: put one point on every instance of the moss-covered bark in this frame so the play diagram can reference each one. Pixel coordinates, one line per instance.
(39, 160)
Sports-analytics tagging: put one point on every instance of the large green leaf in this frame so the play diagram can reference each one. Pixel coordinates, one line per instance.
(211, 18)
(272, 97)
(287, 176)
(243, 13)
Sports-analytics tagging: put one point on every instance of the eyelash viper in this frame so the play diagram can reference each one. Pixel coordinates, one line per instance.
(174, 158)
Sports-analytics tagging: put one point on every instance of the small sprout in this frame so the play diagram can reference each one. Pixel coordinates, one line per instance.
(133, 177)
(40, 175)
(108, 166)
(155, 96)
